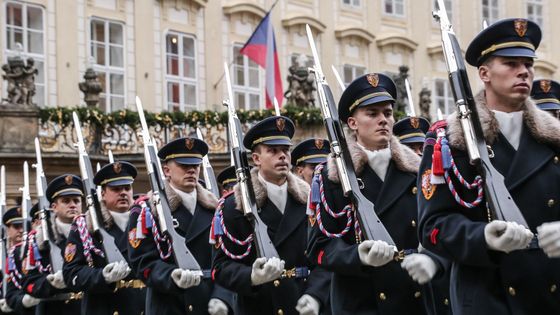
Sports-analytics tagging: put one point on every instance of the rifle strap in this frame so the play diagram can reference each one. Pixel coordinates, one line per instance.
(449, 166)
(15, 275)
(317, 199)
(145, 224)
(33, 255)
(87, 241)
(219, 229)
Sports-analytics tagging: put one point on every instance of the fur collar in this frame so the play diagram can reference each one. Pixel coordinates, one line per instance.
(58, 236)
(297, 187)
(404, 158)
(540, 124)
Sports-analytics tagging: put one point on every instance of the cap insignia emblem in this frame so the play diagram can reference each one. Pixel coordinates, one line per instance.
(520, 27)
(280, 124)
(545, 85)
(373, 79)
(117, 167)
(414, 122)
(319, 143)
(68, 180)
(189, 143)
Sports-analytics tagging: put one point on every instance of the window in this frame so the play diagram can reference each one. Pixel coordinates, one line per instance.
(535, 11)
(25, 35)
(107, 49)
(490, 11)
(443, 96)
(352, 3)
(180, 56)
(448, 8)
(351, 72)
(393, 7)
(246, 81)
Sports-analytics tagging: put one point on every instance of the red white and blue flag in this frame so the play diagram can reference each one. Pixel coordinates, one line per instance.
(261, 48)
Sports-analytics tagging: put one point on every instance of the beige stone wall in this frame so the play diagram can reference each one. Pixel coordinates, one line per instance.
(362, 36)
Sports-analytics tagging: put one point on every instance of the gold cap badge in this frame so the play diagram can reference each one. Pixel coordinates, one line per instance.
(520, 27)
(373, 79)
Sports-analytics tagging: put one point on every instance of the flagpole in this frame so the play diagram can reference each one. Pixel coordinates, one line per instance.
(231, 62)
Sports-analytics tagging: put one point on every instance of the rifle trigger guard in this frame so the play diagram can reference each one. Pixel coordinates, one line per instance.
(175, 223)
(490, 151)
(361, 183)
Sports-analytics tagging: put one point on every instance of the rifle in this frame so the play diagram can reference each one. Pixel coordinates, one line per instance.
(499, 200)
(3, 241)
(371, 226)
(25, 207)
(112, 252)
(409, 96)
(43, 205)
(182, 255)
(263, 243)
(208, 171)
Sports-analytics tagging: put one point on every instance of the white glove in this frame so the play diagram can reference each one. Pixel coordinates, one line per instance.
(185, 279)
(420, 267)
(549, 238)
(115, 271)
(307, 305)
(56, 280)
(29, 301)
(4, 306)
(506, 236)
(375, 253)
(217, 307)
(266, 270)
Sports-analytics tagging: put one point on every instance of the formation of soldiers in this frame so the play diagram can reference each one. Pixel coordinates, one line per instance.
(307, 249)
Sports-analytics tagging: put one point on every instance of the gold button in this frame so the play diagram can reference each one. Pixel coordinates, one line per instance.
(551, 203)
(553, 288)
(511, 291)
(446, 302)
(414, 190)
(276, 283)
(280, 312)
(413, 223)
(115, 313)
(190, 308)
(556, 160)
(417, 294)
(382, 296)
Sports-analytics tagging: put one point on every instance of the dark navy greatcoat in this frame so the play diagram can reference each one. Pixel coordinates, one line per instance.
(35, 283)
(358, 289)
(484, 281)
(14, 295)
(288, 232)
(80, 276)
(164, 296)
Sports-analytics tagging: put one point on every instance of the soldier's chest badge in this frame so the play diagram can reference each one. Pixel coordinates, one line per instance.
(69, 252)
(428, 189)
(132, 239)
(312, 220)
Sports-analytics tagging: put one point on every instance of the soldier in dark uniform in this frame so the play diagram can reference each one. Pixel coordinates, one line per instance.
(227, 179)
(65, 194)
(172, 290)
(90, 273)
(16, 300)
(411, 131)
(306, 155)
(546, 94)
(366, 278)
(262, 285)
(493, 271)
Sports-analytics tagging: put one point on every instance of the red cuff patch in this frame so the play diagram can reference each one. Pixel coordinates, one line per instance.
(29, 288)
(146, 273)
(214, 274)
(433, 236)
(320, 257)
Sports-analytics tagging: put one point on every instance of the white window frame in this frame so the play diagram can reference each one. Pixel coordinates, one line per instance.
(107, 69)
(24, 54)
(449, 100)
(534, 4)
(246, 90)
(352, 3)
(181, 79)
(394, 4)
(491, 19)
(353, 69)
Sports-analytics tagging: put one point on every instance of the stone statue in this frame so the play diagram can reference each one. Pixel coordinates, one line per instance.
(425, 103)
(91, 87)
(301, 84)
(401, 103)
(21, 81)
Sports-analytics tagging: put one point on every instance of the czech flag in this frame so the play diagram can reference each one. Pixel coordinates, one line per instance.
(261, 48)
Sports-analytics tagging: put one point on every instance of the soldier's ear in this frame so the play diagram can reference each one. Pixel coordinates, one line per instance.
(352, 123)
(256, 158)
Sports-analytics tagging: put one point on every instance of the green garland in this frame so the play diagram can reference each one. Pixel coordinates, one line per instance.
(94, 116)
